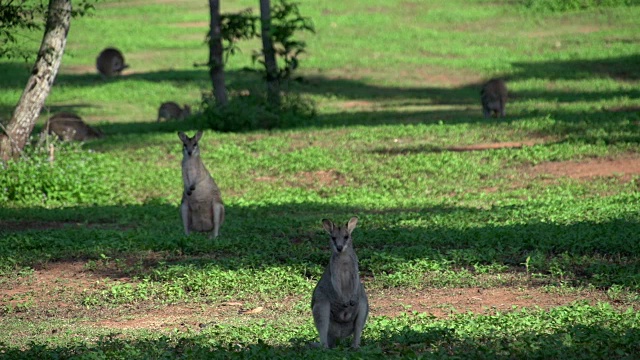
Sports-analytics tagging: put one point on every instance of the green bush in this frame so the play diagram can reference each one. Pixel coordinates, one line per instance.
(250, 110)
(76, 176)
(572, 5)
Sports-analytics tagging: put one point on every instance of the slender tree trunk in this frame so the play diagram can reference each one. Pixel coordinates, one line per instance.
(273, 83)
(216, 65)
(39, 84)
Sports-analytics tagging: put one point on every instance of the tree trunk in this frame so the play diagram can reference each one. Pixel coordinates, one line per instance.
(216, 65)
(39, 84)
(273, 83)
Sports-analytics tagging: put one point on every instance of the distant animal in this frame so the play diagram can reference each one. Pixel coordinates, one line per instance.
(110, 62)
(201, 208)
(339, 302)
(171, 110)
(494, 98)
(69, 126)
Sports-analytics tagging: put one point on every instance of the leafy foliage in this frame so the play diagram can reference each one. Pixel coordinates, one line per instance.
(250, 110)
(286, 21)
(34, 180)
(19, 15)
(572, 5)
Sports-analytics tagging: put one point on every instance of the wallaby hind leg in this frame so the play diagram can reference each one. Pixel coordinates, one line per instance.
(361, 318)
(218, 218)
(184, 212)
(321, 313)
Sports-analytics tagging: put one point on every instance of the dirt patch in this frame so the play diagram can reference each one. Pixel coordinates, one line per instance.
(309, 179)
(357, 104)
(624, 168)
(27, 225)
(194, 24)
(493, 146)
(54, 290)
(446, 302)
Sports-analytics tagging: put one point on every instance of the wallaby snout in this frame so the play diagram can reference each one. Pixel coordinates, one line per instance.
(201, 208)
(339, 302)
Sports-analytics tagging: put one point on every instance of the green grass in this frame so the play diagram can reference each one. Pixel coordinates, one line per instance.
(396, 86)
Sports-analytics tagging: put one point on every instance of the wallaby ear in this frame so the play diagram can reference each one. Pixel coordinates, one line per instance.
(327, 225)
(351, 225)
(182, 137)
(198, 135)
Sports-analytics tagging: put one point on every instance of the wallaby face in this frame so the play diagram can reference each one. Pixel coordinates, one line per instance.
(70, 127)
(339, 302)
(201, 208)
(494, 98)
(340, 236)
(190, 145)
(110, 62)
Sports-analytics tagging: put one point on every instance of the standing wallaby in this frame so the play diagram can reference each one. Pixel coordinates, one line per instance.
(69, 126)
(494, 98)
(171, 110)
(110, 62)
(201, 208)
(339, 303)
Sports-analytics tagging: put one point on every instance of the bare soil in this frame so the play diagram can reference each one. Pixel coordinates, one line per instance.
(55, 289)
(624, 167)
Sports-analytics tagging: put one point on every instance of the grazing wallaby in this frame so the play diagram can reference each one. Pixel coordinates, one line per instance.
(494, 98)
(201, 208)
(171, 110)
(110, 62)
(69, 126)
(339, 303)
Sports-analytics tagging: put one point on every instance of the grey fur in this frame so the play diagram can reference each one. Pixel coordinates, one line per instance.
(201, 208)
(494, 98)
(110, 62)
(339, 303)
(70, 127)
(170, 110)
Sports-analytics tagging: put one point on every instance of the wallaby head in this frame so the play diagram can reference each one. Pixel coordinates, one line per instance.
(190, 144)
(340, 235)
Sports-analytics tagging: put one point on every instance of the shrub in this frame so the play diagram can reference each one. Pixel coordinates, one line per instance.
(76, 176)
(250, 110)
(572, 5)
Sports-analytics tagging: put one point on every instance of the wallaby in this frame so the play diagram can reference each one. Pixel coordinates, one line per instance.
(69, 126)
(494, 98)
(339, 303)
(110, 62)
(171, 110)
(201, 208)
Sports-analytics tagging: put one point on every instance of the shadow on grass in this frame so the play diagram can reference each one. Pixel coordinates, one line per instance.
(602, 253)
(377, 104)
(578, 340)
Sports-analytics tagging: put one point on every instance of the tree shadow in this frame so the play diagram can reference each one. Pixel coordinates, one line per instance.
(257, 236)
(578, 339)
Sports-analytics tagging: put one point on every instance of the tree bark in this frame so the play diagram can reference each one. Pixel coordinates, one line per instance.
(273, 83)
(39, 84)
(216, 64)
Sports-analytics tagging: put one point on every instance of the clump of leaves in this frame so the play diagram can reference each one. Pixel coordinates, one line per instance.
(76, 176)
(286, 21)
(251, 110)
(573, 5)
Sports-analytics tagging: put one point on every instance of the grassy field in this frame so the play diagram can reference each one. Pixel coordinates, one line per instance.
(478, 238)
